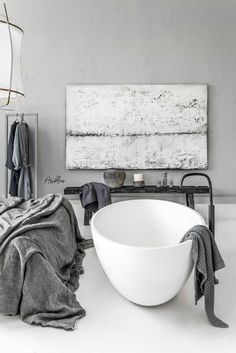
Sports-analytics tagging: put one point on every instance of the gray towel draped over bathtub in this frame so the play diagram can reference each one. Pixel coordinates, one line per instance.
(207, 260)
(95, 196)
(41, 253)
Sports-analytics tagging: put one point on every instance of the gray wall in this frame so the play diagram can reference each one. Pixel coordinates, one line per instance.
(126, 41)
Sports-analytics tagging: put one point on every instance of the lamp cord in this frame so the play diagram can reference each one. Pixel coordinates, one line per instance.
(11, 44)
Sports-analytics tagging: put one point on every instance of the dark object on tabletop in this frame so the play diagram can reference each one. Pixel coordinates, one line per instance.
(93, 197)
(114, 178)
(207, 260)
(211, 207)
(15, 174)
(164, 179)
(41, 253)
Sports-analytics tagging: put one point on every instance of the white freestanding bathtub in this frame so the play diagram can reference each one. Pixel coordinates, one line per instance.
(137, 243)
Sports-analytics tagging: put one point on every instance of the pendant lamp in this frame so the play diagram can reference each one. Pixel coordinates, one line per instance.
(11, 88)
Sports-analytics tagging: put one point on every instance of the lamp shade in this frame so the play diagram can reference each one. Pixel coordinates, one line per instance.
(11, 88)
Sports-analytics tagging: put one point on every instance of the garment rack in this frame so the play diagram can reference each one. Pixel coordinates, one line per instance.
(35, 164)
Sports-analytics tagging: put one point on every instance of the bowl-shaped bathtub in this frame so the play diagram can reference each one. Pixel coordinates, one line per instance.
(137, 243)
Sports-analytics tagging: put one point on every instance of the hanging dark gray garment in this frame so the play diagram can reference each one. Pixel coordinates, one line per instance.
(21, 161)
(15, 174)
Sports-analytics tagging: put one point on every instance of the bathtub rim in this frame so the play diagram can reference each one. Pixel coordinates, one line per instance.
(144, 247)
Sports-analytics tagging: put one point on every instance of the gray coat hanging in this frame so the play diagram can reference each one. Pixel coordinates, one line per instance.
(21, 161)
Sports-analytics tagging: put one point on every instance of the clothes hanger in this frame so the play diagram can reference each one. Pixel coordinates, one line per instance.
(17, 120)
(22, 118)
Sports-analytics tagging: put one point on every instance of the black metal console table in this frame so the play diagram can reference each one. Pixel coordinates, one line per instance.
(189, 191)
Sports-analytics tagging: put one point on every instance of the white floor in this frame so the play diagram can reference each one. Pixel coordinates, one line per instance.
(115, 325)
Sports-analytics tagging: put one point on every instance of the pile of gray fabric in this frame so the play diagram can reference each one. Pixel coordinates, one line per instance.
(41, 253)
(207, 260)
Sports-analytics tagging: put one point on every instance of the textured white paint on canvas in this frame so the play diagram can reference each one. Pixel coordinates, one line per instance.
(136, 126)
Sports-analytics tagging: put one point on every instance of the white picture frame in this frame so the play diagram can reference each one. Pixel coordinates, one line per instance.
(149, 126)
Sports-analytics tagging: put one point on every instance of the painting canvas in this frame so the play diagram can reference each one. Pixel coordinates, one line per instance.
(136, 126)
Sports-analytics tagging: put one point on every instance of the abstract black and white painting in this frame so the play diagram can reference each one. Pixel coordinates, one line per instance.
(136, 126)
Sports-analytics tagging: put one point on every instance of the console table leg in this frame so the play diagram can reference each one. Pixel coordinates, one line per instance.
(191, 201)
(187, 200)
(211, 218)
(87, 217)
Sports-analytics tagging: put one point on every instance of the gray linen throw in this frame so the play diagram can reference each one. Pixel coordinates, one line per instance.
(207, 259)
(41, 253)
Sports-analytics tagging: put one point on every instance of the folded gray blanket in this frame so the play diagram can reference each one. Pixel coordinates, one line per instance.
(41, 253)
(207, 259)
